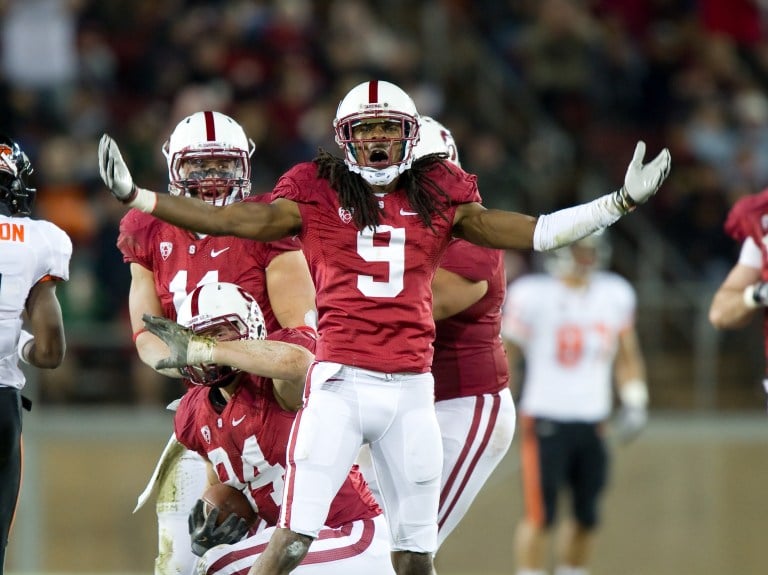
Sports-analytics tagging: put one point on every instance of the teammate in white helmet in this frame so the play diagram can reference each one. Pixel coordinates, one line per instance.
(575, 327)
(238, 415)
(34, 258)
(474, 405)
(208, 158)
(374, 226)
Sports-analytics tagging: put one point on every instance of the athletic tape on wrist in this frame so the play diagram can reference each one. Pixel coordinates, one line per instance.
(145, 200)
(634, 394)
(25, 341)
(749, 297)
(563, 227)
(200, 350)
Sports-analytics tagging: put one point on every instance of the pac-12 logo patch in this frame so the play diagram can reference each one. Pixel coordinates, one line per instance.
(165, 249)
(345, 215)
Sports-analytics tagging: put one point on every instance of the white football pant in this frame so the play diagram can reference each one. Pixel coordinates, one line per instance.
(395, 413)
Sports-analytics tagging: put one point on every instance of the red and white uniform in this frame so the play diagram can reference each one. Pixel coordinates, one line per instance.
(180, 261)
(747, 222)
(30, 251)
(374, 354)
(570, 338)
(473, 402)
(246, 443)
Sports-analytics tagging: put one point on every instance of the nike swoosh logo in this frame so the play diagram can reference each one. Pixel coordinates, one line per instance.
(404, 213)
(217, 253)
(236, 422)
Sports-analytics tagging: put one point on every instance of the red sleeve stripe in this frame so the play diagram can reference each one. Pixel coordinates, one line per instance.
(138, 333)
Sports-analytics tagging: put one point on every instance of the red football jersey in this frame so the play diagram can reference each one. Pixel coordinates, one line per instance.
(246, 441)
(181, 260)
(748, 218)
(374, 295)
(469, 355)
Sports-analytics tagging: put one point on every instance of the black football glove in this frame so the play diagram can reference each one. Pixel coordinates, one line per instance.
(205, 534)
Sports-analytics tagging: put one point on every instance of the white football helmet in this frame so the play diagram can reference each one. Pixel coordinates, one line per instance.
(580, 258)
(223, 311)
(379, 160)
(209, 157)
(434, 138)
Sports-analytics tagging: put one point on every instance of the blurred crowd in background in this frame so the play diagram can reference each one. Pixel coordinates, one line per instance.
(546, 99)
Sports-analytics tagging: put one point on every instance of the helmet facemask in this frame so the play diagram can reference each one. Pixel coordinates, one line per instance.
(581, 258)
(216, 176)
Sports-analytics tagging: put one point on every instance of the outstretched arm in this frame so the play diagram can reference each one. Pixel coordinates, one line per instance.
(256, 221)
(509, 230)
(285, 363)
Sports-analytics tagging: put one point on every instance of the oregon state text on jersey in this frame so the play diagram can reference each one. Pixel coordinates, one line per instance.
(30, 250)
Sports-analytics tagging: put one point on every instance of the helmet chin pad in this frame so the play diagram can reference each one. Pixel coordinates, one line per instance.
(376, 177)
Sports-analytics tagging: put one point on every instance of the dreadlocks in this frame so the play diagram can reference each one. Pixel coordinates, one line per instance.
(425, 196)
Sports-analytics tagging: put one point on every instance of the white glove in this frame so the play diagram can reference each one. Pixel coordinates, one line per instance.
(630, 423)
(633, 415)
(24, 338)
(642, 181)
(114, 171)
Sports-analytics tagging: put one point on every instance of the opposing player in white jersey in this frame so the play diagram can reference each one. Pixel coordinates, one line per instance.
(240, 421)
(374, 226)
(34, 257)
(208, 155)
(473, 402)
(575, 328)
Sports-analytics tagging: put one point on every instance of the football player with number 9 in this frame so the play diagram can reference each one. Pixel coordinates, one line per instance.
(208, 157)
(374, 226)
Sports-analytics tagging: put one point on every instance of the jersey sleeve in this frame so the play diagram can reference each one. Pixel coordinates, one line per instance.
(297, 184)
(303, 336)
(184, 422)
(519, 309)
(745, 217)
(59, 252)
(134, 238)
(459, 186)
(472, 262)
